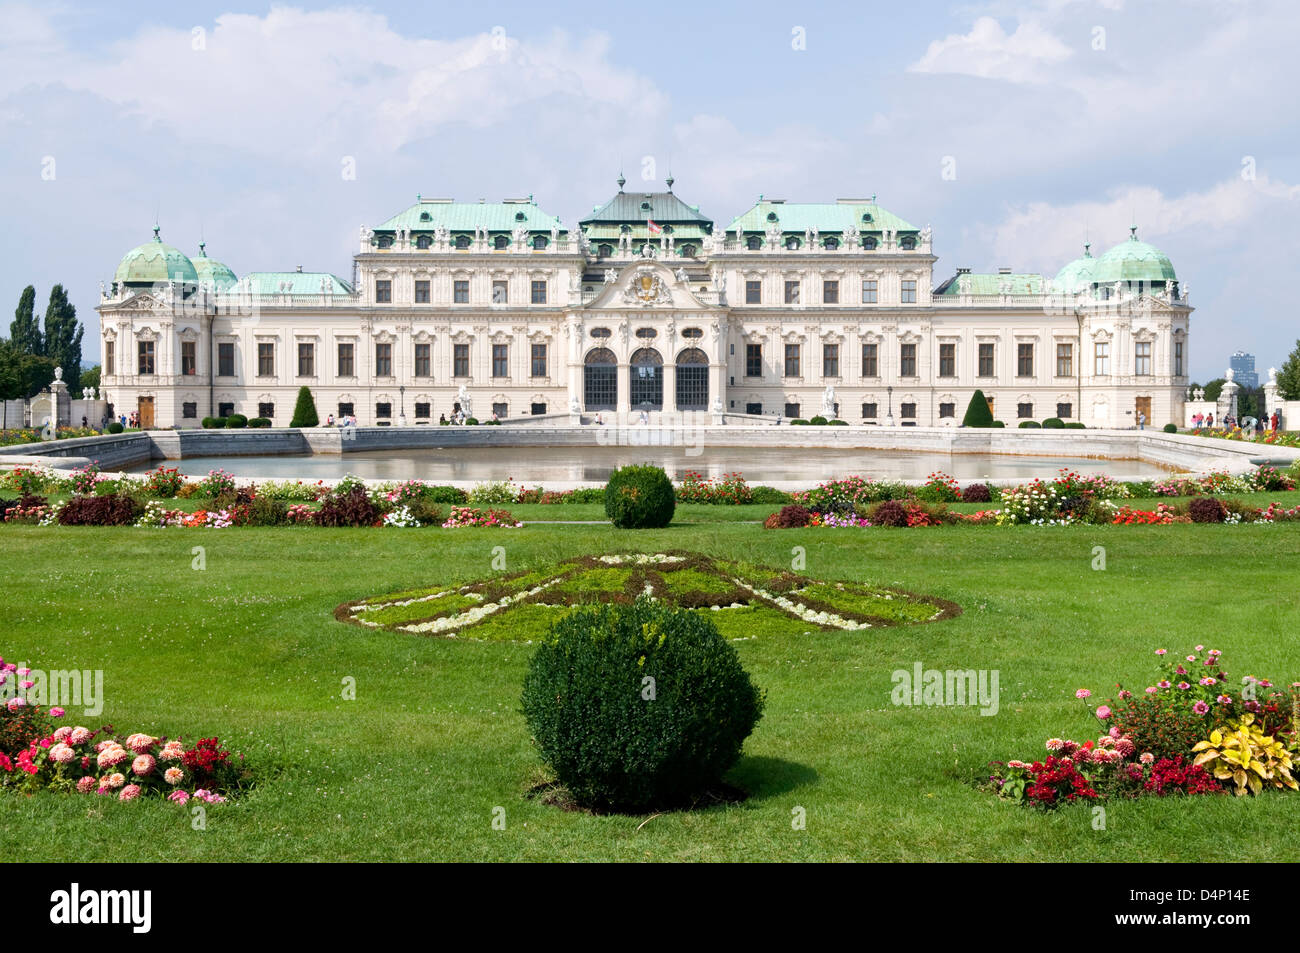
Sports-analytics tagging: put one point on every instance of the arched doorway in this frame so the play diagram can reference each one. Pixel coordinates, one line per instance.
(600, 380)
(646, 380)
(692, 380)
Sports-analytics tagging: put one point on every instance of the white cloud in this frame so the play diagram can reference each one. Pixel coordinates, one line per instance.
(989, 52)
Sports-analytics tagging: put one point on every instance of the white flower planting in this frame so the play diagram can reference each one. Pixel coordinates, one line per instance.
(801, 611)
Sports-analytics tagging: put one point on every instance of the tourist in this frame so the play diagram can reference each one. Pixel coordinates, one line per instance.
(329, 421)
(442, 420)
(1197, 420)
(85, 425)
(1142, 421)
(1259, 425)
(1209, 421)
(1276, 421)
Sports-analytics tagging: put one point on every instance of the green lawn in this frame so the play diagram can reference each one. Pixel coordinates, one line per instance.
(414, 767)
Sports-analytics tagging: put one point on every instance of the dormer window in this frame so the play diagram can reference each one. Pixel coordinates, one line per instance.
(501, 243)
(792, 243)
(832, 243)
(604, 251)
(771, 216)
(668, 229)
(869, 243)
(520, 217)
(645, 206)
(426, 217)
(424, 241)
(866, 217)
(754, 243)
(385, 241)
(462, 242)
(625, 229)
(908, 243)
(540, 242)
(688, 251)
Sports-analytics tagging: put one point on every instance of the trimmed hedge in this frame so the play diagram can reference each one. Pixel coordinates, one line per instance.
(801, 422)
(1075, 425)
(839, 423)
(977, 412)
(1205, 509)
(640, 497)
(259, 422)
(1053, 423)
(304, 411)
(1171, 428)
(236, 422)
(640, 706)
(998, 423)
(115, 427)
(818, 421)
(1030, 425)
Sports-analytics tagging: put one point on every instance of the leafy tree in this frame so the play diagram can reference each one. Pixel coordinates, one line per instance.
(24, 332)
(1213, 388)
(977, 411)
(21, 374)
(304, 412)
(1288, 376)
(63, 337)
(90, 378)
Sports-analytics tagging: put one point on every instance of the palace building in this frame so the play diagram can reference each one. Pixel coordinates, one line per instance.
(647, 307)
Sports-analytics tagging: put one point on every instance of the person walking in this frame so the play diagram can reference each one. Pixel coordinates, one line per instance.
(1142, 421)
(1209, 421)
(1275, 421)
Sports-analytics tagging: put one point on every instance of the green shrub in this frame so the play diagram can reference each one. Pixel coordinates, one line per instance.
(587, 494)
(259, 422)
(267, 511)
(977, 412)
(446, 494)
(799, 422)
(888, 513)
(209, 423)
(304, 411)
(1053, 423)
(236, 422)
(769, 495)
(1030, 425)
(115, 427)
(1075, 425)
(471, 421)
(998, 423)
(818, 421)
(493, 494)
(640, 497)
(639, 706)
(1171, 428)
(839, 423)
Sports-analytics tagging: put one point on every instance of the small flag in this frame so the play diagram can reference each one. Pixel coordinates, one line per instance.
(654, 229)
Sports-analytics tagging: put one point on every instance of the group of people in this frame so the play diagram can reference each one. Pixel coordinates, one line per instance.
(1259, 424)
(348, 420)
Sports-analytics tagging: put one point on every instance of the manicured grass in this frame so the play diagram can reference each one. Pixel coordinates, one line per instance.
(413, 768)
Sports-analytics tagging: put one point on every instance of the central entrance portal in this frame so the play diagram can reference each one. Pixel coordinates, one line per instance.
(646, 384)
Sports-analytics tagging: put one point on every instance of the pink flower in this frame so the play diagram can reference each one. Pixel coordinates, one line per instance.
(1161, 651)
(180, 797)
(1200, 648)
(172, 751)
(87, 784)
(111, 755)
(173, 776)
(62, 734)
(1083, 693)
(15, 703)
(1184, 686)
(56, 712)
(114, 780)
(1115, 732)
(1125, 694)
(1147, 757)
(143, 765)
(129, 793)
(62, 753)
(1152, 689)
(1055, 744)
(1200, 707)
(79, 735)
(1191, 658)
(1224, 700)
(140, 743)
(1016, 764)
(1207, 681)
(1103, 712)
(1125, 748)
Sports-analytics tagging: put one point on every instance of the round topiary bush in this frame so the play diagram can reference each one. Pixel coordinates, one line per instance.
(639, 497)
(799, 422)
(1205, 509)
(259, 422)
(839, 423)
(236, 422)
(818, 421)
(1075, 425)
(977, 493)
(1030, 425)
(888, 513)
(115, 427)
(638, 706)
(209, 423)
(998, 423)
(1053, 423)
(1171, 428)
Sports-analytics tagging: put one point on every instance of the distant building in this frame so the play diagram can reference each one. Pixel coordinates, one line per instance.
(1243, 369)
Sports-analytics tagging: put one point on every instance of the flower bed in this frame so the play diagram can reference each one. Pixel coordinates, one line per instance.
(1189, 733)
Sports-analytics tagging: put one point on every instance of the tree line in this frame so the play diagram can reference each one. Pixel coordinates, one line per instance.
(32, 352)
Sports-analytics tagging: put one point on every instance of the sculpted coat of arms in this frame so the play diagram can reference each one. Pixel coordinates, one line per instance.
(647, 288)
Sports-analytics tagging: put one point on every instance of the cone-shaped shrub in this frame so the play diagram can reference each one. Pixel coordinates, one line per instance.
(977, 412)
(304, 412)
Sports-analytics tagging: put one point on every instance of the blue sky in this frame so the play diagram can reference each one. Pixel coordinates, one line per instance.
(1063, 119)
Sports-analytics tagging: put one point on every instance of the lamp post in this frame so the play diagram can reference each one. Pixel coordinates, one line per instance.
(401, 405)
(889, 416)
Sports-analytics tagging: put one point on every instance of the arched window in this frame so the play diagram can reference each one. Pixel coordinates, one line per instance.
(426, 217)
(462, 242)
(692, 379)
(540, 241)
(869, 243)
(600, 380)
(688, 251)
(501, 242)
(771, 216)
(604, 251)
(832, 243)
(646, 384)
(792, 242)
(385, 241)
(424, 241)
(753, 243)
(520, 217)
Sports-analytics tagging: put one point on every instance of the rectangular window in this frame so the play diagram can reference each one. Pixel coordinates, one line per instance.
(1024, 360)
(539, 360)
(986, 360)
(792, 411)
(345, 410)
(460, 360)
(792, 360)
(869, 412)
(947, 410)
(226, 360)
(947, 360)
(500, 292)
(460, 291)
(1101, 359)
(908, 411)
(1065, 360)
(907, 360)
(753, 360)
(265, 359)
(109, 362)
(870, 291)
(753, 292)
(792, 292)
(189, 360)
(383, 411)
(423, 362)
(383, 360)
(306, 359)
(225, 410)
(871, 360)
(537, 410)
(422, 409)
(422, 291)
(500, 360)
(347, 366)
(830, 292)
(755, 409)
(830, 360)
(383, 291)
(909, 291)
(1025, 411)
(1142, 358)
(539, 292)
(189, 410)
(266, 410)
(1178, 359)
(500, 410)
(1064, 410)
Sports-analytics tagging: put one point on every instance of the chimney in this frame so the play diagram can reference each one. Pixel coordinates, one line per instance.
(300, 269)
(963, 271)
(1004, 271)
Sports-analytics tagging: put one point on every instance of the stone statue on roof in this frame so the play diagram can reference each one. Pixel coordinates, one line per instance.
(925, 234)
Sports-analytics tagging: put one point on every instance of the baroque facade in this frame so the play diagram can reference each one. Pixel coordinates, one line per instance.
(649, 308)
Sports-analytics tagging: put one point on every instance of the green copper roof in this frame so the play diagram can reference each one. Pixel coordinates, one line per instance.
(664, 208)
(824, 217)
(1076, 275)
(211, 270)
(1132, 261)
(300, 283)
(153, 262)
(993, 284)
(427, 215)
(608, 233)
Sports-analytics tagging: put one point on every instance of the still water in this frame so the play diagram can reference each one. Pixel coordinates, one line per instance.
(534, 465)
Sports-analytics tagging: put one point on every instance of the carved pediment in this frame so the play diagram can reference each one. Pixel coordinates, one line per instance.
(646, 284)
